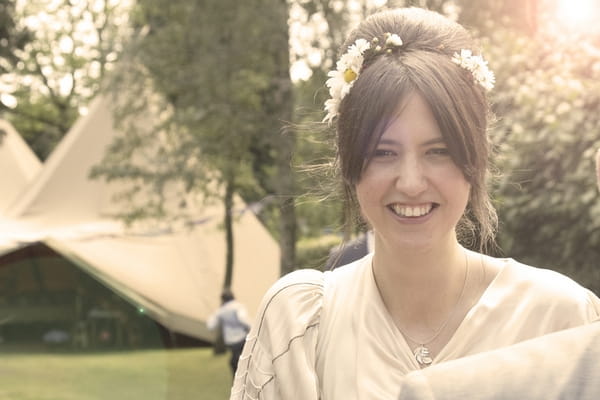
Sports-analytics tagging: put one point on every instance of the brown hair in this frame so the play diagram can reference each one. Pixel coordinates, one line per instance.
(424, 64)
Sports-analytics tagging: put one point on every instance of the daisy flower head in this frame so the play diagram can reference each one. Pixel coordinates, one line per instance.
(343, 76)
(349, 67)
(477, 66)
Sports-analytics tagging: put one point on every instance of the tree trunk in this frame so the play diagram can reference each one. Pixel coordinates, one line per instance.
(287, 209)
(285, 183)
(228, 223)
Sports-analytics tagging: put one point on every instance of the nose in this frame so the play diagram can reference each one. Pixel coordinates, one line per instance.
(411, 179)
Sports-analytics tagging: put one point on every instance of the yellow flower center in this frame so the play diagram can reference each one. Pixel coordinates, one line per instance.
(349, 75)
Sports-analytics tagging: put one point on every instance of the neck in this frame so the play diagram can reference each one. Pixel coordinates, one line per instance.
(417, 283)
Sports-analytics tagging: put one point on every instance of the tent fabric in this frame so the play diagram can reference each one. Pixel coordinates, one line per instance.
(63, 193)
(175, 276)
(17, 162)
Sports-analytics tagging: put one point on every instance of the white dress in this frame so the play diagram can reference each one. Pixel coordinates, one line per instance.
(329, 336)
(558, 366)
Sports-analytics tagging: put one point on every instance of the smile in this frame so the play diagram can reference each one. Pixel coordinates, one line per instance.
(412, 211)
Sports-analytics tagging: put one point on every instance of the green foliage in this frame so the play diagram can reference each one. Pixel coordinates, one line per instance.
(12, 37)
(206, 87)
(213, 67)
(313, 252)
(60, 68)
(40, 122)
(546, 135)
(219, 69)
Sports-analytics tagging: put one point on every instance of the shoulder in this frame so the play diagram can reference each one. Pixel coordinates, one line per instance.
(295, 302)
(279, 349)
(550, 288)
(348, 274)
(292, 304)
(542, 279)
(303, 285)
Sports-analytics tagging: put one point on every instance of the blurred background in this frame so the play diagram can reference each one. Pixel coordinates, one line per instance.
(153, 152)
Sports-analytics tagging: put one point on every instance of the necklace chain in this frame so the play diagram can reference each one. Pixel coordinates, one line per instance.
(422, 353)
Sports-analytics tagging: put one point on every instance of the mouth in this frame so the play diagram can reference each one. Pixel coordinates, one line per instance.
(406, 211)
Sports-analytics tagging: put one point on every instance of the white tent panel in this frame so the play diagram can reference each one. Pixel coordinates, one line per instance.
(63, 193)
(18, 164)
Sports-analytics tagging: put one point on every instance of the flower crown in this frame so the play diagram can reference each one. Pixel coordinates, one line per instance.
(349, 67)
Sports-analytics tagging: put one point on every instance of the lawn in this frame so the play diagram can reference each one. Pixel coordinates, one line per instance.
(127, 375)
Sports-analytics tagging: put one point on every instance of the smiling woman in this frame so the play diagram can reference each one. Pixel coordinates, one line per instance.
(409, 108)
(423, 204)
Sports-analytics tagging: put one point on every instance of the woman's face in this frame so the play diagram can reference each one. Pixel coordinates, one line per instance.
(411, 192)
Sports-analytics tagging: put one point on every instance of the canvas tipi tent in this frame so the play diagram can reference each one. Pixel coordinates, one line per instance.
(17, 162)
(174, 276)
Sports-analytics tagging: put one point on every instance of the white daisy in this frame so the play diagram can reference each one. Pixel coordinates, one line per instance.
(347, 70)
(477, 66)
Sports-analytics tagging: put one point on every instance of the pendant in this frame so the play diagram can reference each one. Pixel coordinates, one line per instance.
(422, 355)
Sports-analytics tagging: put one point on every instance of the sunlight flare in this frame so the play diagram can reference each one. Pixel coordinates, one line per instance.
(577, 12)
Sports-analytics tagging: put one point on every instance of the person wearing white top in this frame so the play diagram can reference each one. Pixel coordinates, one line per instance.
(409, 108)
(232, 319)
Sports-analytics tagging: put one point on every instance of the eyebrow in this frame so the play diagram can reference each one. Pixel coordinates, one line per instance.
(437, 140)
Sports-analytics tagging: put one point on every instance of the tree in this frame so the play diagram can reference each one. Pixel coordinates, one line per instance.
(56, 73)
(220, 71)
(12, 38)
(545, 132)
(546, 135)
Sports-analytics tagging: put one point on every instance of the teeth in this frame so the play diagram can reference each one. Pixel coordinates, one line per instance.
(406, 211)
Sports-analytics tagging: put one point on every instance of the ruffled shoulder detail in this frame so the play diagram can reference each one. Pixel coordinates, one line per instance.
(278, 359)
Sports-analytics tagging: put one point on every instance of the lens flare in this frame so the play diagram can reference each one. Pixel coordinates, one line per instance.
(577, 12)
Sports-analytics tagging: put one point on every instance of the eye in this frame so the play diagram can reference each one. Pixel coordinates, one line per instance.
(383, 153)
(438, 151)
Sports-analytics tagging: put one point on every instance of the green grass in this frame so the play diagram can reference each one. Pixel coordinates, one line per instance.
(132, 375)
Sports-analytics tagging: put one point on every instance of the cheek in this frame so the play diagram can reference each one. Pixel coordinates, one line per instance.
(455, 185)
(365, 191)
(465, 192)
(364, 202)
(360, 194)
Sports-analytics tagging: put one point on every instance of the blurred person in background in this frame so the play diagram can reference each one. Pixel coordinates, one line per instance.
(232, 320)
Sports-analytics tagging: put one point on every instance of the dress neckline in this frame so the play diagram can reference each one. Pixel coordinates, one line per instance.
(441, 355)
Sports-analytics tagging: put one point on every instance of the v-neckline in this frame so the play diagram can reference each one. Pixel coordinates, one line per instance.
(440, 356)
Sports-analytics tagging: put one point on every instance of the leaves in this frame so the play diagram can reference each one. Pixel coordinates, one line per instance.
(547, 135)
(59, 68)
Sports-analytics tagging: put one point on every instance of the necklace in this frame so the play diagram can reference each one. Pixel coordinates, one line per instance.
(422, 353)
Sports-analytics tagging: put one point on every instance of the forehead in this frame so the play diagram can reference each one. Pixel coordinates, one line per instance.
(413, 119)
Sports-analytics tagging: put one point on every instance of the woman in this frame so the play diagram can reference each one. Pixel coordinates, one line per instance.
(408, 100)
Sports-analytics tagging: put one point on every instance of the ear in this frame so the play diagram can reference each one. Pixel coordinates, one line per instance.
(598, 168)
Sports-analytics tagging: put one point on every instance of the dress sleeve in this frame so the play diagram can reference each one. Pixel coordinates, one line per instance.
(560, 365)
(593, 306)
(279, 356)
